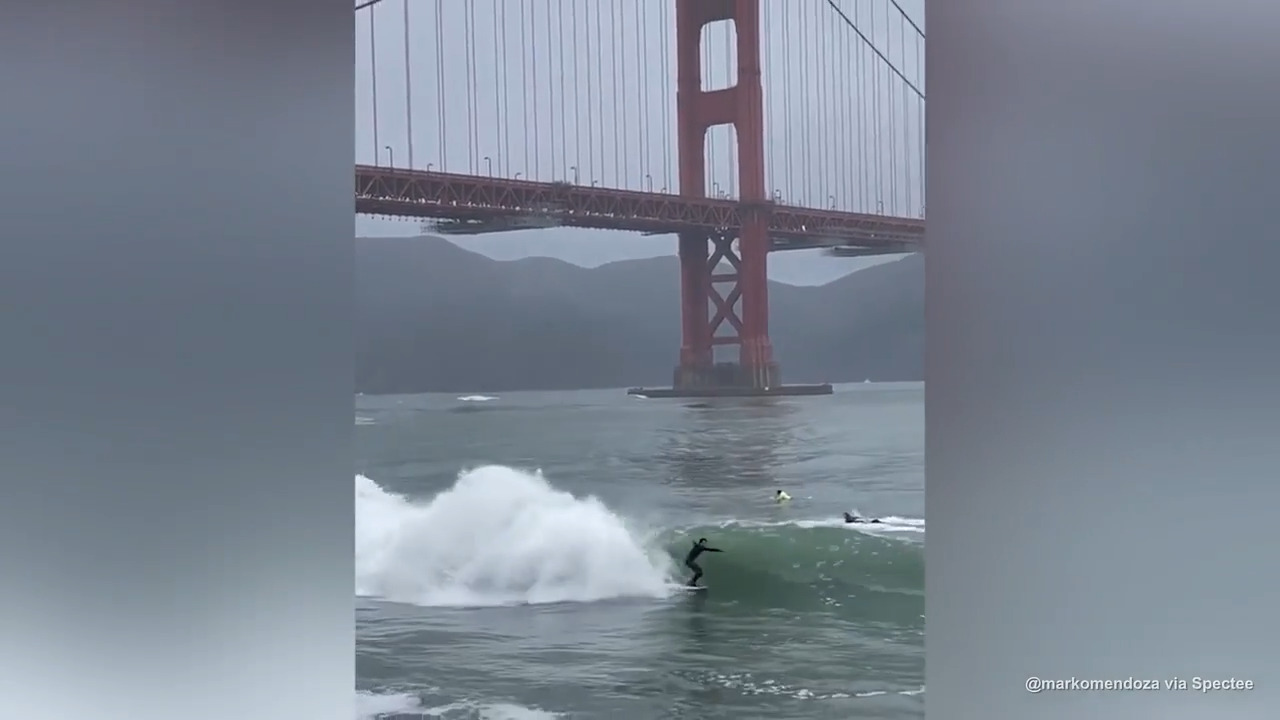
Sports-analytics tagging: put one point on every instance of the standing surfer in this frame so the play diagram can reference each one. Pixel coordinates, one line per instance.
(690, 560)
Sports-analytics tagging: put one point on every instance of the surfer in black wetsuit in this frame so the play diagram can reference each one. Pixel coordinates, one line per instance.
(850, 518)
(690, 560)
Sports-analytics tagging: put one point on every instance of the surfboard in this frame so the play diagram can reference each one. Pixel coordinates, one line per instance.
(690, 588)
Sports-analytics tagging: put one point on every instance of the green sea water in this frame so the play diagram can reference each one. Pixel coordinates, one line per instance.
(516, 556)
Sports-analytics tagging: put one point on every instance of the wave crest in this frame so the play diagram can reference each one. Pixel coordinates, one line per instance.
(499, 536)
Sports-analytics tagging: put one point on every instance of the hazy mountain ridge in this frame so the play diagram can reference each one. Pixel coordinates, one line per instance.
(433, 317)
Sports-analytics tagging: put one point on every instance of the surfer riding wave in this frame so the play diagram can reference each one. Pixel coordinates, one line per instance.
(690, 560)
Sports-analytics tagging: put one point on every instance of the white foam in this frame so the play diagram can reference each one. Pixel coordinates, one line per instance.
(887, 524)
(507, 711)
(477, 398)
(377, 705)
(499, 536)
(747, 684)
(372, 705)
(491, 711)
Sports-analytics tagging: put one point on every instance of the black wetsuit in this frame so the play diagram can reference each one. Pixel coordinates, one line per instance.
(853, 519)
(689, 560)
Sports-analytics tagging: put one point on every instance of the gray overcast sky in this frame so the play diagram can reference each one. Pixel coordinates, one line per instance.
(822, 144)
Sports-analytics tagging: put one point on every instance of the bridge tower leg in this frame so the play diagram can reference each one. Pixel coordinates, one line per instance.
(705, 309)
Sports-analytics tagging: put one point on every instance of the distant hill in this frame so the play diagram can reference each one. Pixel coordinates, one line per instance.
(433, 317)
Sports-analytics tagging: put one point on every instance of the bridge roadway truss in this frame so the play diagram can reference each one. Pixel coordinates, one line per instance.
(468, 198)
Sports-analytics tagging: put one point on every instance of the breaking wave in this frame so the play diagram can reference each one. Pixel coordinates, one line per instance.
(499, 536)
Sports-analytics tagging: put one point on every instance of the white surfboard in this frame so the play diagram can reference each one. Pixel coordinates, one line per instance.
(690, 588)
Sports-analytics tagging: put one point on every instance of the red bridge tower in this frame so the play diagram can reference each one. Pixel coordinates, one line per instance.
(705, 309)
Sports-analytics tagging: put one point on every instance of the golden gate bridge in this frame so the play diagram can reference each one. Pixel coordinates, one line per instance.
(739, 126)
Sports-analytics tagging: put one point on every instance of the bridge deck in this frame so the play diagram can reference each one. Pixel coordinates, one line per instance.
(450, 196)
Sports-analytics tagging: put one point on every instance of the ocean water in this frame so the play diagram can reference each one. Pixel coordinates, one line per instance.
(517, 556)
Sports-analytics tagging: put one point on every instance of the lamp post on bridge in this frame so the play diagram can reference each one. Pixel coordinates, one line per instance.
(488, 161)
(391, 156)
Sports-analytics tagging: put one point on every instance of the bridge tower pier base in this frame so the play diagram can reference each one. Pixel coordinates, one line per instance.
(716, 287)
(724, 279)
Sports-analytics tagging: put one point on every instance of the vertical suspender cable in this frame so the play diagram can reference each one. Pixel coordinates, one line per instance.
(564, 134)
(408, 85)
(591, 125)
(619, 42)
(822, 156)
(879, 146)
(864, 156)
(786, 101)
(921, 119)
(577, 109)
(507, 158)
(642, 49)
(551, 104)
(600, 90)
(906, 121)
(533, 72)
(472, 161)
(373, 71)
(893, 122)
(440, 76)
(502, 121)
(524, 85)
